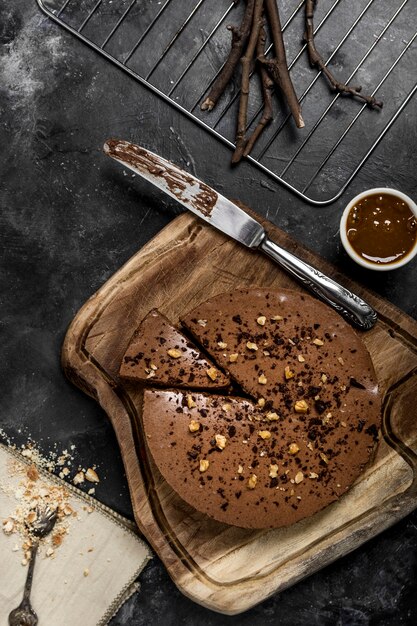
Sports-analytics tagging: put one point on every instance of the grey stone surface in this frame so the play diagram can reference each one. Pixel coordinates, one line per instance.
(70, 218)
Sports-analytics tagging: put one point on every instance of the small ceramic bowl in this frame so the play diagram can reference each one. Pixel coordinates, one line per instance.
(352, 252)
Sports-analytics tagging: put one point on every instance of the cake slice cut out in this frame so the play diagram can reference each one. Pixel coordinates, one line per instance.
(246, 466)
(160, 354)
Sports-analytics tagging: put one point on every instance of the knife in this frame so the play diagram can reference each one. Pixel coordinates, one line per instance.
(231, 220)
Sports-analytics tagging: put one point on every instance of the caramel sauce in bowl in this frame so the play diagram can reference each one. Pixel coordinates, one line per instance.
(378, 229)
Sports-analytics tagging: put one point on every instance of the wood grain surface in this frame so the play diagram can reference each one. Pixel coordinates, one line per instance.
(225, 568)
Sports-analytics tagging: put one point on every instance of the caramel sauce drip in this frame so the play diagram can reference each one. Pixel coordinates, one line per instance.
(382, 228)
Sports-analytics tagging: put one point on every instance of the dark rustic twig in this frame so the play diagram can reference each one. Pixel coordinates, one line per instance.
(277, 67)
(246, 61)
(267, 85)
(317, 61)
(240, 36)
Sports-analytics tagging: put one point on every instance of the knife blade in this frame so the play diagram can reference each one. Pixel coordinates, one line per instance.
(231, 220)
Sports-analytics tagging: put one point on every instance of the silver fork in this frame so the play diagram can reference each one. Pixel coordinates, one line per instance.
(24, 615)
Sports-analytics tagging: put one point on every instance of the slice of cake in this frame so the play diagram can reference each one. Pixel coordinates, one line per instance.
(159, 354)
(250, 467)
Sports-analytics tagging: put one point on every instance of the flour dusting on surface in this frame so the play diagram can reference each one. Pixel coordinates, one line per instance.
(28, 61)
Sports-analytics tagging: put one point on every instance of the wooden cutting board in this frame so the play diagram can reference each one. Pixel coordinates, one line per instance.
(224, 568)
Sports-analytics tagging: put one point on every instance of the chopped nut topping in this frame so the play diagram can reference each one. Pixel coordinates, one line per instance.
(262, 380)
(324, 457)
(313, 475)
(343, 424)
(68, 510)
(261, 402)
(326, 418)
(220, 441)
(264, 434)
(310, 446)
(240, 469)
(299, 477)
(92, 476)
(273, 471)
(202, 323)
(233, 357)
(226, 407)
(277, 318)
(32, 473)
(323, 378)
(222, 344)
(266, 353)
(253, 479)
(86, 572)
(272, 416)
(212, 373)
(57, 539)
(341, 361)
(153, 366)
(293, 448)
(190, 402)
(251, 346)
(300, 358)
(288, 373)
(204, 465)
(174, 353)
(318, 342)
(31, 517)
(290, 341)
(78, 478)
(8, 526)
(301, 406)
(261, 320)
(194, 426)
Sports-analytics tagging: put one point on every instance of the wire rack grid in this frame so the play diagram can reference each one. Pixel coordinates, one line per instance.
(177, 49)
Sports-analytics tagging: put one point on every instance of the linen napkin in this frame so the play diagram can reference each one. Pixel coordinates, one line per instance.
(84, 570)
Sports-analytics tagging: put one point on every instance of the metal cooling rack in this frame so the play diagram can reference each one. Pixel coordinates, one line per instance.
(177, 47)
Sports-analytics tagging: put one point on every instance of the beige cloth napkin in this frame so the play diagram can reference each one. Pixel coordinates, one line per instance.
(88, 577)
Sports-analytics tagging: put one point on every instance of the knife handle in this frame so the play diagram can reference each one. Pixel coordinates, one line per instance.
(351, 306)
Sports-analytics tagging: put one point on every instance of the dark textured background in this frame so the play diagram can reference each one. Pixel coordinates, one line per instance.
(70, 218)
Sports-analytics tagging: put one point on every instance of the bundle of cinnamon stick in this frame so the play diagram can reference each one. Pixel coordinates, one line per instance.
(248, 47)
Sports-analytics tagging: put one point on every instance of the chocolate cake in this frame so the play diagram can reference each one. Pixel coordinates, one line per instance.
(282, 347)
(248, 467)
(159, 354)
(302, 437)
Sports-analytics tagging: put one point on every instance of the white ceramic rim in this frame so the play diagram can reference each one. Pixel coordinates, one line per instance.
(347, 245)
